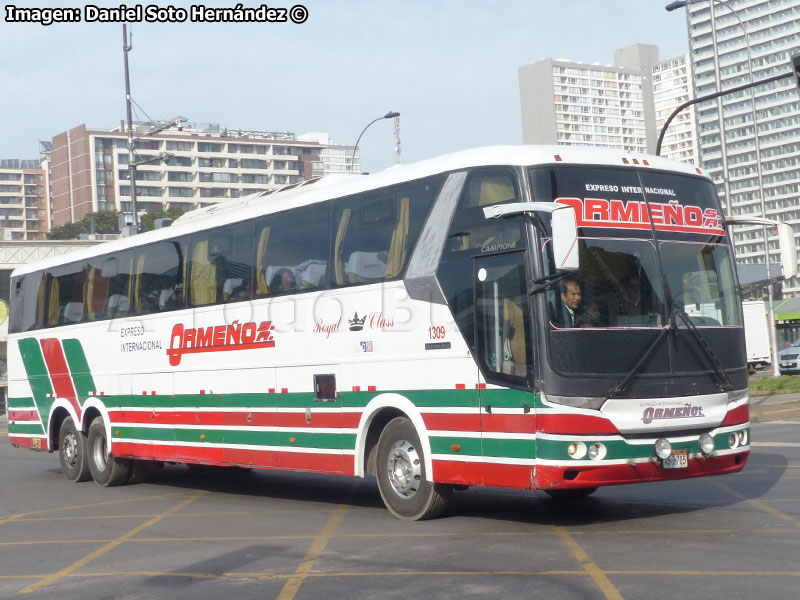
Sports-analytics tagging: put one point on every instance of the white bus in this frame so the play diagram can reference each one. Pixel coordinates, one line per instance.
(419, 325)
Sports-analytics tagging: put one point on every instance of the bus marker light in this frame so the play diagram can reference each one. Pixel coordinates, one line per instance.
(742, 437)
(733, 440)
(597, 451)
(663, 448)
(455, 447)
(557, 157)
(292, 440)
(116, 432)
(202, 436)
(706, 443)
(576, 450)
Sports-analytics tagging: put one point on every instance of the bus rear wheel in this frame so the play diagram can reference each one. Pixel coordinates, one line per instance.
(72, 452)
(106, 470)
(401, 474)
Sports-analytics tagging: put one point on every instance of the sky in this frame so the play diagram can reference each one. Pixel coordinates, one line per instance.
(449, 67)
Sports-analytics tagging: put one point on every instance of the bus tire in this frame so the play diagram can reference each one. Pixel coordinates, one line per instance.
(139, 471)
(107, 471)
(72, 452)
(571, 493)
(401, 474)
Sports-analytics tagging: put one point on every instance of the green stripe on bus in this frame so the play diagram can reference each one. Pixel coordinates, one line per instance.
(38, 376)
(21, 403)
(509, 448)
(469, 446)
(32, 428)
(79, 368)
(327, 441)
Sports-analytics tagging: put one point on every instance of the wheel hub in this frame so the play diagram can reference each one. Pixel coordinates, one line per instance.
(70, 445)
(404, 469)
(99, 452)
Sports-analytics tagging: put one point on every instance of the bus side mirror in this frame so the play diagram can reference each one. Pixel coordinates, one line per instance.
(565, 239)
(788, 250)
(786, 241)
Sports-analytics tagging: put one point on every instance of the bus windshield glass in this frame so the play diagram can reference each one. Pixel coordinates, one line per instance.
(619, 285)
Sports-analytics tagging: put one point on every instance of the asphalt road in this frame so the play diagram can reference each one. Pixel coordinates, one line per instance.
(251, 534)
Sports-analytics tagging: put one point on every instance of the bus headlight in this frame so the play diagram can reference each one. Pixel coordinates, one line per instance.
(733, 440)
(597, 451)
(663, 448)
(706, 443)
(742, 438)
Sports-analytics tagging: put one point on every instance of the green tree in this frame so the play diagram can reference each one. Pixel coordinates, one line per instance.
(148, 219)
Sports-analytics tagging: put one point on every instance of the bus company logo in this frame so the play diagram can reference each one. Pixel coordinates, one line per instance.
(356, 324)
(373, 320)
(634, 214)
(219, 338)
(687, 411)
(326, 329)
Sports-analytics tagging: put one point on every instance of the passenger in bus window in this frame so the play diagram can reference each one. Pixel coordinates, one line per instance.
(175, 301)
(283, 282)
(631, 297)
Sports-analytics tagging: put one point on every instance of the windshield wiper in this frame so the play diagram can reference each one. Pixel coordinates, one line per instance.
(543, 283)
(722, 377)
(620, 387)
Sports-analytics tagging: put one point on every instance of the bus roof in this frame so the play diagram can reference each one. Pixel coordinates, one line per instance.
(336, 186)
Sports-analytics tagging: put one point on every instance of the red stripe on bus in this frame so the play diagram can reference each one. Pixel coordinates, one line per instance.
(372, 388)
(461, 386)
(737, 416)
(16, 414)
(448, 422)
(548, 477)
(59, 372)
(577, 424)
(518, 423)
(356, 388)
(26, 442)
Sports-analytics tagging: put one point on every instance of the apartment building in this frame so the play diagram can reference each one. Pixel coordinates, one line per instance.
(757, 169)
(24, 209)
(187, 168)
(672, 86)
(572, 103)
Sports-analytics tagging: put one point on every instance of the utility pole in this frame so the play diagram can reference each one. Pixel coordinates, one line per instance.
(131, 166)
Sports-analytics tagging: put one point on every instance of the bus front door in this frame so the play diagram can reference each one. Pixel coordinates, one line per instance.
(504, 353)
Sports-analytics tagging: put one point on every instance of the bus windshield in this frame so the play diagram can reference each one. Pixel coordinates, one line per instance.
(619, 285)
(632, 278)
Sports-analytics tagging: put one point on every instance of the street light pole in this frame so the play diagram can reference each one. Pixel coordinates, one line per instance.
(388, 115)
(131, 166)
(759, 172)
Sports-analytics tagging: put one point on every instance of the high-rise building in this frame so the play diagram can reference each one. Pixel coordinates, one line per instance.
(571, 103)
(193, 167)
(757, 169)
(671, 88)
(333, 157)
(24, 209)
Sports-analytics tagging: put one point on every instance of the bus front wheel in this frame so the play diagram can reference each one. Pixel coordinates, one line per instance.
(106, 470)
(72, 452)
(401, 474)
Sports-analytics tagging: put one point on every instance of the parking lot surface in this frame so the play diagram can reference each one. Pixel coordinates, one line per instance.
(219, 533)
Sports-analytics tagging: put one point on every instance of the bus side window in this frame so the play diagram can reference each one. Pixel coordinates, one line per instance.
(285, 266)
(159, 271)
(374, 236)
(65, 294)
(25, 316)
(118, 270)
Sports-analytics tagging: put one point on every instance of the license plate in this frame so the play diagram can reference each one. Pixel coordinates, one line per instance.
(679, 459)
